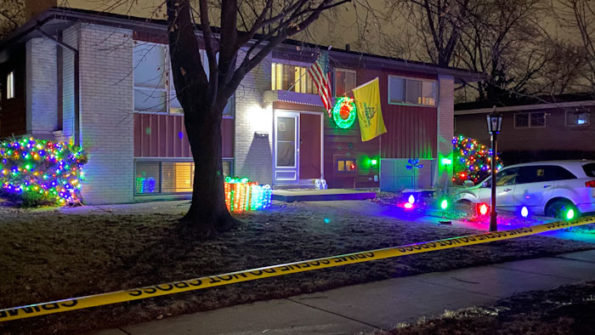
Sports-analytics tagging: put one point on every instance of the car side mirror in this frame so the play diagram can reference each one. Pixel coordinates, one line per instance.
(468, 183)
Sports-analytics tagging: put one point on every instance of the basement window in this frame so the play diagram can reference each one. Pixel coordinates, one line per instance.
(168, 177)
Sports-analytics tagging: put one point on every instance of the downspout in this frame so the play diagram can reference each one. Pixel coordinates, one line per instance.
(77, 139)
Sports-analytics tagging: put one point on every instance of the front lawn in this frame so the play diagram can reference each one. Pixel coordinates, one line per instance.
(49, 254)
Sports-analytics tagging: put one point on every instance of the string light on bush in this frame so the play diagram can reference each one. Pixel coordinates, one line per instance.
(471, 160)
(41, 171)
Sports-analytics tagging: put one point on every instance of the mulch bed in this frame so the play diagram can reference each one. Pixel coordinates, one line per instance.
(48, 254)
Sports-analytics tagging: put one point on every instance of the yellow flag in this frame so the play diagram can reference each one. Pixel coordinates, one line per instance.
(367, 100)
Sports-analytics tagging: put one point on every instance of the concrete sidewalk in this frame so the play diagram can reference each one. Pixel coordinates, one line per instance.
(382, 304)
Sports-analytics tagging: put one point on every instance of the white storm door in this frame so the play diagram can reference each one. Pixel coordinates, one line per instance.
(286, 147)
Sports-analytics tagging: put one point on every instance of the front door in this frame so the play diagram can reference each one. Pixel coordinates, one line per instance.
(310, 146)
(286, 158)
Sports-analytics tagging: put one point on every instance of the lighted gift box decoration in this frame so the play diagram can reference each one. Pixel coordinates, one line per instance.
(241, 195)
(41, 169)
(145, 185)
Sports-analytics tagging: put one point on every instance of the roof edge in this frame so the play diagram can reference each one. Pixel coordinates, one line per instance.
(132, 22)
(516, 108)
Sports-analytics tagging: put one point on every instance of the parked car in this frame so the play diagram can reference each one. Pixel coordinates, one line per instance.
(545, 188)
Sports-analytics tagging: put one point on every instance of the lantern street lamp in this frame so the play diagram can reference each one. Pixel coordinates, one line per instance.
(494, 126)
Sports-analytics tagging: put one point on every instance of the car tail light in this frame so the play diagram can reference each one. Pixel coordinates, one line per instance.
(590, 183)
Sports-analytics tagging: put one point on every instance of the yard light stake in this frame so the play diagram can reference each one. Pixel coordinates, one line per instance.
(444, 204)
(524, 212)
(570, 214)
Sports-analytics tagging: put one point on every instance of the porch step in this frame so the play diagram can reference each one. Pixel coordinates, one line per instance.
(291, 195)
(296, 187)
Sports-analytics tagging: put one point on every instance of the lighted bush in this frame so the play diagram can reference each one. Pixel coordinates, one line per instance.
(41, 171)
(472, 160)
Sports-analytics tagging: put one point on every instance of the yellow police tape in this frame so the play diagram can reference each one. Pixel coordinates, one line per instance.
(71, 304)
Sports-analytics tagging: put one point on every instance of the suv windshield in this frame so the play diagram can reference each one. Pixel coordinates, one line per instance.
(589, 169)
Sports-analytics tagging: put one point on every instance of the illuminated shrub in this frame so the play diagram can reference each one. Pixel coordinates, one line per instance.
(41, 171)
(472, 160)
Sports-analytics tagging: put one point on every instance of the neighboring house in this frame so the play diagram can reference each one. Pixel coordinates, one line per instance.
(535, 129)
(275, 130)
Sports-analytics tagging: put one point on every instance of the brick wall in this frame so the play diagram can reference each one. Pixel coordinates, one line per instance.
(253, 155)
(42, 94)
(445, 124)
(106, 113)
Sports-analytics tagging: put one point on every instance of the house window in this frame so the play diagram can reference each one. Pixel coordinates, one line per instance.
(154, 90)
(155, 177)
(150, 78)
(578, 118)
(10, 85)
(289, 77)
(411, 91)
(345, 165)
(529, 120)
(344, 81)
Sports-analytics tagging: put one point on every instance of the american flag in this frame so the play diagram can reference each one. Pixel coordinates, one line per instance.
(319, 72)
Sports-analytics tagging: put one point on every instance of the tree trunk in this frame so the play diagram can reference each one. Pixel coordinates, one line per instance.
(208, 213)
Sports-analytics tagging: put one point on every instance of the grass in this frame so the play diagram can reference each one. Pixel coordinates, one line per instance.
(563, 311)
(48, 254)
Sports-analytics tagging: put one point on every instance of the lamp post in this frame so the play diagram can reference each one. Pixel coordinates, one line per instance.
(494, 126)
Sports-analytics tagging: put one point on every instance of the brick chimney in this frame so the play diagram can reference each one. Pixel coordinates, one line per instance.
(36, 7)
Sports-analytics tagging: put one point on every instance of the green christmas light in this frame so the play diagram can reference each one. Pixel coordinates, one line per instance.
(570, 214)
(444, 204)
(344, 112)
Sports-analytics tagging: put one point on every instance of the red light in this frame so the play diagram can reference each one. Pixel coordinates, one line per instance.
(352, 166)
(408, 205)
(483, 208)
(463, 175)
(590, 183)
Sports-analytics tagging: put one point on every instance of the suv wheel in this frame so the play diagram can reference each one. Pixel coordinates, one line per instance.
(558, 208)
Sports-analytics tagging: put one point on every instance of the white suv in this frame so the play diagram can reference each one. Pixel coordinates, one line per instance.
(549, 188)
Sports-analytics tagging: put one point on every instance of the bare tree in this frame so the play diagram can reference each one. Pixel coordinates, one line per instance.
(563, 70)
(249, 31)
(12, 15)
(440, 24)
(504, 40)
(579, 17)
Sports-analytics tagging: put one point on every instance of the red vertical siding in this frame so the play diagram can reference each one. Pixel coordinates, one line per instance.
(411, 130)
(162, 135)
